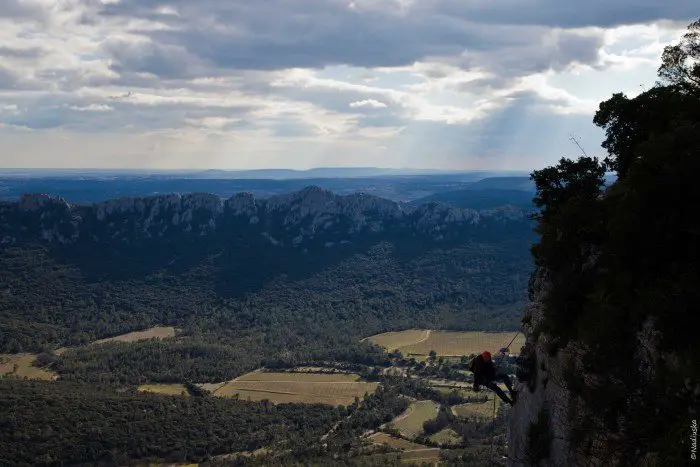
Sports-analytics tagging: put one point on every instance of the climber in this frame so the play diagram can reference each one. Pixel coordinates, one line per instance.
(485, 374)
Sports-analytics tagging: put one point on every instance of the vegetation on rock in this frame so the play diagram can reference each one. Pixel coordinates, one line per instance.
(621, 266)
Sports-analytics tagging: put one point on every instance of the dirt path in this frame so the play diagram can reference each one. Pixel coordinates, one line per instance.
(423, 339)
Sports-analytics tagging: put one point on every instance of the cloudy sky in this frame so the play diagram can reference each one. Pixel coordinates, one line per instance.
(459, 84)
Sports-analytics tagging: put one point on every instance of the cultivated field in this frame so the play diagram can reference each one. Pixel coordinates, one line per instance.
(303, 388)
(152, 333)
(483, 410)
(25, 367)
(396, 340)
(410, 423)
(158, 332)
(446, 437)
(398, 443)
(421, 456)
(166, 389)
(446, 343)
(277, 377)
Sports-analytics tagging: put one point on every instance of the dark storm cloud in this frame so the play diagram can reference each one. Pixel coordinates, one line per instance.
(169, 61)
(282, 34)
(568, 13)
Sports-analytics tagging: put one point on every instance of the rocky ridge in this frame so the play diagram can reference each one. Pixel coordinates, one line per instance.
(296, 217)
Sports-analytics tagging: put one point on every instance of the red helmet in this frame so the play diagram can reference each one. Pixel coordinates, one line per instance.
(486, 355)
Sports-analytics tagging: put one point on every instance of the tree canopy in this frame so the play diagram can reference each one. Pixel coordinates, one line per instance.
(623, 265)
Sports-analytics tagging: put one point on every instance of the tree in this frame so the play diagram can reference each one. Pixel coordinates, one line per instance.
(629, 123)
(569, 179)
(680, 63)
(44, 359)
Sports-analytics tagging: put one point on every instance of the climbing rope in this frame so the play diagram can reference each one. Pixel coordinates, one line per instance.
(513, 339)
(493, 420)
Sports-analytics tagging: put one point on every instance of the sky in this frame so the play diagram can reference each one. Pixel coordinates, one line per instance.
(236, 84)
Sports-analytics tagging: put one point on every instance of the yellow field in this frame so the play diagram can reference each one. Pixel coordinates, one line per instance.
(157, 333)
(446, 343)
(25, 367)
(398, 443)
(270, 376)
(396, 340)
(167, 389)
(482, 410)
(446, 437)
(410, 423)
(303, 388)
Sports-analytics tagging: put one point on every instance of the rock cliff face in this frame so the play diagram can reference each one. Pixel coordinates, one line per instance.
(538, 430)
(291, 219)
(545, 420)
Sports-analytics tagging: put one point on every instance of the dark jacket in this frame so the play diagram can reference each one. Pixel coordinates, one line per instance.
(483, 371)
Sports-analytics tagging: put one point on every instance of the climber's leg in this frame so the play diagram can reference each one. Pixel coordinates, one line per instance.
(509, 384)
(494, 387)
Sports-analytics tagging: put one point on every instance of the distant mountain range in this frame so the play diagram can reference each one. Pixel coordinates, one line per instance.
(268, 174)
(473, 190)
(97, 187)
(339, 172)
(358, 260)
(487, 193)
(481, 199)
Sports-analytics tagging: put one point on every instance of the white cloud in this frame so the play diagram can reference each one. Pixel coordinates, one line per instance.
(92, 108)
(368, 103)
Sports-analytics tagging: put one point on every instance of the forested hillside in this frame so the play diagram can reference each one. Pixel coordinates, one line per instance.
(73, 424)
(291, 279)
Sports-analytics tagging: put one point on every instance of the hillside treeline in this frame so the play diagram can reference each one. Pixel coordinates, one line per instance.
(68, 424)
(623, 266)
(49, 301)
